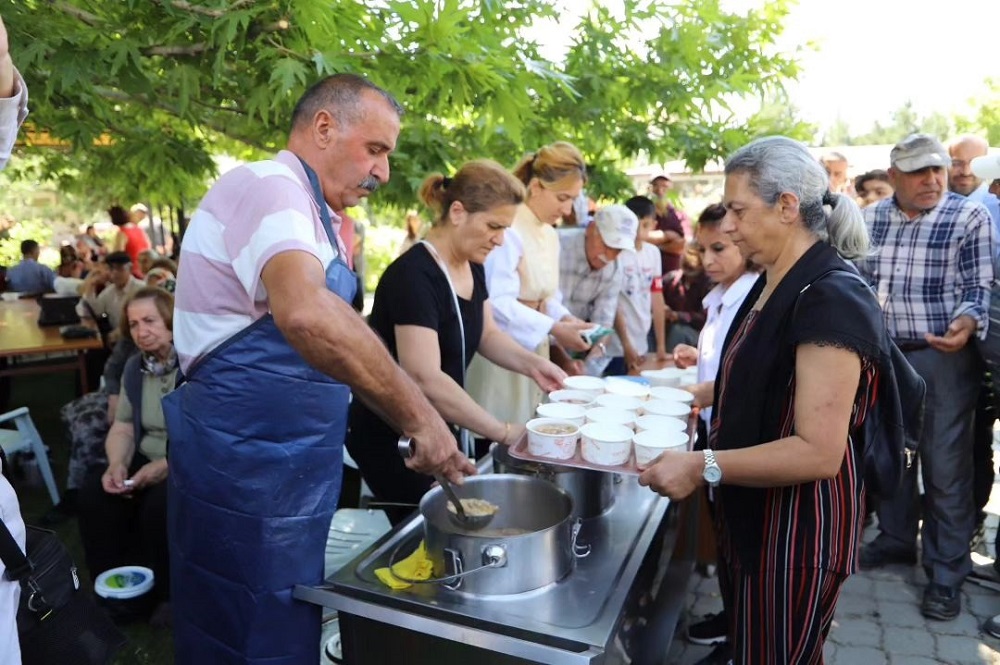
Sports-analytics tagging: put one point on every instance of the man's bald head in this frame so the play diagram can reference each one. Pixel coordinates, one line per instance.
(962, 151)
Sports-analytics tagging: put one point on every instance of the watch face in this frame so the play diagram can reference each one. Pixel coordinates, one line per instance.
(712, 474)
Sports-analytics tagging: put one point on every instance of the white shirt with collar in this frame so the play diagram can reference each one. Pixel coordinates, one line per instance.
(720, 306)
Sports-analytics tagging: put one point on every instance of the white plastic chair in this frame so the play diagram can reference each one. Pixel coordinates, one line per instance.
(25, 438)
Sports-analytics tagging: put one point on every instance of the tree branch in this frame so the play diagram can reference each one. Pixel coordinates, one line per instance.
(77, 13)
(171, 51)
(205, 11)
(220, 127)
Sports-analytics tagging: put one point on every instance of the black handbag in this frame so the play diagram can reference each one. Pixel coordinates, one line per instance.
(56, 621)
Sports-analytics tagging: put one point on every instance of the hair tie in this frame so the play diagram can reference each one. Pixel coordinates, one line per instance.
(445, 182)
(829, 199)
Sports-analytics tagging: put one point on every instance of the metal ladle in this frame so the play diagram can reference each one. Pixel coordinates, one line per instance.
(459, 518)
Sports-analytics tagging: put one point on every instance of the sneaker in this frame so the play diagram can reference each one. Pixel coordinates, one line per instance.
(940, 602)
(874, 555)
(713, 629)
(721, 655)
(992, 626)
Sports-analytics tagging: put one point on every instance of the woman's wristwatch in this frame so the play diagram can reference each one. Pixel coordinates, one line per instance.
(711, 473)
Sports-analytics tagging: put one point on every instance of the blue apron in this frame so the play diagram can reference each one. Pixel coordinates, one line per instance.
(256, 453)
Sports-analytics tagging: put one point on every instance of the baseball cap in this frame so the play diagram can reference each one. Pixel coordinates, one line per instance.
(918, 151)
(139, 207)
(617, 226)
(986, 167)
(117, 258)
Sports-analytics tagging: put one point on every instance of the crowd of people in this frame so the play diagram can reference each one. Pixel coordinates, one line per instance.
(790, 295)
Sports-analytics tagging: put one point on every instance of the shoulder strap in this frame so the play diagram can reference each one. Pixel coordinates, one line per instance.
(13, 558)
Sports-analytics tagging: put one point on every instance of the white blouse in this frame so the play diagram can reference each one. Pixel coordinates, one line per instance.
(720, 306)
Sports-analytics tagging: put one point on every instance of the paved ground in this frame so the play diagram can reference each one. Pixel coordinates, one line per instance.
(878, 618)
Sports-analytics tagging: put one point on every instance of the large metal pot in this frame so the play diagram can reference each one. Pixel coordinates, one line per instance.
(528, 544)
(593, 492)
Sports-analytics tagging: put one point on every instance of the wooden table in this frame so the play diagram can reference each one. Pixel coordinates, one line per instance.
(20, 335)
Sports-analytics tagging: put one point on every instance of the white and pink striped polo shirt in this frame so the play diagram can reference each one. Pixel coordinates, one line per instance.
(251, 214)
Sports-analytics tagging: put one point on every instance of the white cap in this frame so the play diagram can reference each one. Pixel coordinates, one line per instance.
(618, 226)
(140, 207)
(987, 167)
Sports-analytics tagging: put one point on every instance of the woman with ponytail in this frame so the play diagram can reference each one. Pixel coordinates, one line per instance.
(431, 308)
(523, 280)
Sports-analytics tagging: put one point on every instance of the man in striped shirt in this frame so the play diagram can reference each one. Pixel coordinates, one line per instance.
(932, 268)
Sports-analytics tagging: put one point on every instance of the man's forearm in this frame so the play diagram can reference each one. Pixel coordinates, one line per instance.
(336, 341)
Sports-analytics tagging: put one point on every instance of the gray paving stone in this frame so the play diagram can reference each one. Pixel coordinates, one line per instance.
(965, 624)
(903, 659)
(709, 585)
(859, 656)
(856, 606)
(906, 615)
(830, 652)
(908, 641)
(705, 604)
(858, 585)
(983, 607)
(898, 590)
(856, 632)
(961, 650)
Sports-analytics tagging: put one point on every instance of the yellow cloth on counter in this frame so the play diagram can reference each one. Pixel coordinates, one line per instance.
(417, 566)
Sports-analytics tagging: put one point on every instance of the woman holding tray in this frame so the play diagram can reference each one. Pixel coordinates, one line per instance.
(432, 309)
(801, 366)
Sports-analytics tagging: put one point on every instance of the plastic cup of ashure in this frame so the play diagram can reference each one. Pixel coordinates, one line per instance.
(620, 402)
(604, 444)
(659, 407)
(650, 444)
(626, 387)
(660, 424)
(590, 384)
(668, 377)
(573, 413)
(608, 416)
(579, 397)
(552, 437)
(671, 395)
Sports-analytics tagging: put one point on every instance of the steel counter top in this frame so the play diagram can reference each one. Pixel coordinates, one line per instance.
(577, 615)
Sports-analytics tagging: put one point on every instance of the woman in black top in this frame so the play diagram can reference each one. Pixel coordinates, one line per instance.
(799, 377)
(415, 313)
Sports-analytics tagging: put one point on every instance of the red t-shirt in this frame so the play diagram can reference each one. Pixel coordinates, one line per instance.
(136, 242)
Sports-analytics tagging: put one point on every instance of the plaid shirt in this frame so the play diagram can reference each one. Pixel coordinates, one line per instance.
(589, 295)
(933, 268)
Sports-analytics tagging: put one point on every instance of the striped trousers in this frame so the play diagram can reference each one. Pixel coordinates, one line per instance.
(780, 616)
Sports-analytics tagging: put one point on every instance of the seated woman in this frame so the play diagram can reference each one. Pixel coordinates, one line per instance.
(431, 309)
(123, 511)
(797, 378)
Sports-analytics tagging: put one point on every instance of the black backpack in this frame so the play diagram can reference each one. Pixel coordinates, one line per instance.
(892, 430)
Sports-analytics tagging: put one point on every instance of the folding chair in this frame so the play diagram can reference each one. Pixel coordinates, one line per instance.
(25, 438)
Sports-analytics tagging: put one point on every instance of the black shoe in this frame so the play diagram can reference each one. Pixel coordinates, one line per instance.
(874, 555)
(713, 629)
(721, 655)
(940, 602)
(992, 626)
